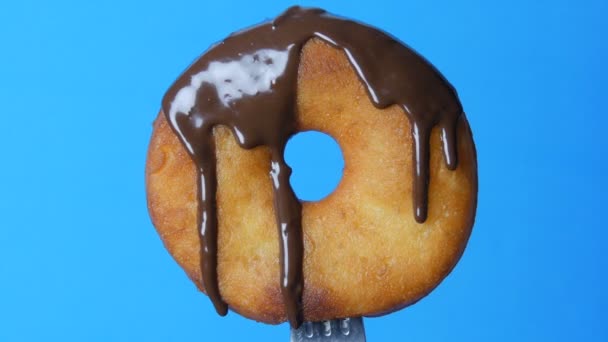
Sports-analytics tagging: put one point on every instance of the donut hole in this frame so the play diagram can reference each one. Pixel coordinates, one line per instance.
(317, 164)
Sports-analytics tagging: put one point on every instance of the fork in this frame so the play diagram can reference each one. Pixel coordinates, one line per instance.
(337, 330)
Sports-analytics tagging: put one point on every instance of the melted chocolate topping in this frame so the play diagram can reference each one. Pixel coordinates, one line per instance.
(248, 83)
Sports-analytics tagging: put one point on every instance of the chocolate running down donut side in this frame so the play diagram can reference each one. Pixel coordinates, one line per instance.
(248, 83)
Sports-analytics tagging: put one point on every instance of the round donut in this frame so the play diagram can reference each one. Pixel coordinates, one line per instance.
(364, 252)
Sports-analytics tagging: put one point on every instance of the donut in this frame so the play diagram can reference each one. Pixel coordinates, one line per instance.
(218, 187)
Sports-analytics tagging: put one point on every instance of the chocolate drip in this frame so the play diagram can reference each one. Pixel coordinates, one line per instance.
(289, 221)
(248, 83)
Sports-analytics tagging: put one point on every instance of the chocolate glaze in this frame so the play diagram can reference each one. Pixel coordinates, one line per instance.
(248, 83)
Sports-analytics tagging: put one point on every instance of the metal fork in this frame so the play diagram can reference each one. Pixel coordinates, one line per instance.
(338, 330)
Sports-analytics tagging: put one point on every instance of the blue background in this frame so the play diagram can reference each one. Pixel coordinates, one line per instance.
(81, 82)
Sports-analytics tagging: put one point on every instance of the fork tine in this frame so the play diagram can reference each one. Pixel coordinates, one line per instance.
(338, 330)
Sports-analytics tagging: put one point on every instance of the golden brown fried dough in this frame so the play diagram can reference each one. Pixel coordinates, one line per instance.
(364, 252)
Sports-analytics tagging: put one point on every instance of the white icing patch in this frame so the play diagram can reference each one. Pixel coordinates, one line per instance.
(250, 75)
